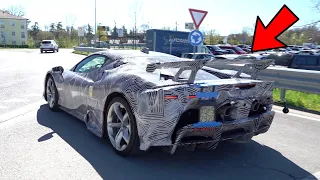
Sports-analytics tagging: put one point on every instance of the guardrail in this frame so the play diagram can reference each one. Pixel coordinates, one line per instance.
(284, 78)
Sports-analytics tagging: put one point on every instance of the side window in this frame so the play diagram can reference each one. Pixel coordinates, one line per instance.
(200, 57)
(189, 56)
(90, 64)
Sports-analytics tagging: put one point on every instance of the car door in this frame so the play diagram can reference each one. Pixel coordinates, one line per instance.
(80, 78)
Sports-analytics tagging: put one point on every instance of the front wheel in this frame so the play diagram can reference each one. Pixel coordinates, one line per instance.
(121, 127)
(52, 94)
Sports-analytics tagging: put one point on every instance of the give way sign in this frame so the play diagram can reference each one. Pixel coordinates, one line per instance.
(197, 16)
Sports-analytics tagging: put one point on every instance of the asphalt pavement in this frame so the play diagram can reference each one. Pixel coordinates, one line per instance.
(36, 143)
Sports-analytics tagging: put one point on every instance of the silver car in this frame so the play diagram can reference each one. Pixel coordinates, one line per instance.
(49, 45)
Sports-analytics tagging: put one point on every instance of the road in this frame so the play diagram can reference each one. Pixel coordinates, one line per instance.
(36, 143)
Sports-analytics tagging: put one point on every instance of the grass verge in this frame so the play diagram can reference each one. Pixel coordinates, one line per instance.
(299, 99)
(81, 53)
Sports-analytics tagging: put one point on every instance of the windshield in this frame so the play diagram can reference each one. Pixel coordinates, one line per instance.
(237, 48)
(46, 42)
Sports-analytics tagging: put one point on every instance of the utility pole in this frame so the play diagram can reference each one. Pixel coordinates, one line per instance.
(176, 26)
(135, 30)
(95, 19)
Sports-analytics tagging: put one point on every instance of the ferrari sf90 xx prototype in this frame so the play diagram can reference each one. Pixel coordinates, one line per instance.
(142, 99)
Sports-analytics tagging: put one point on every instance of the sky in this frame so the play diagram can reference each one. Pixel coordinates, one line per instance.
(224, 16)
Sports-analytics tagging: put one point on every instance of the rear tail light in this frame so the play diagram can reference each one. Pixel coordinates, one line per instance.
(192, 97)
(170, 97)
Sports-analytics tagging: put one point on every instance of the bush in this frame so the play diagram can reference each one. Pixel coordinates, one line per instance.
(14, 46)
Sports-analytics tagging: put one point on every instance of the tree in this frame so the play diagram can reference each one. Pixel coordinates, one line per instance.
(102, 34)
(114, 31)
(52, 28)
(125, 31)
(316, 5)
(16, 11)
(34, 31)
(144, 28)
(89, 30)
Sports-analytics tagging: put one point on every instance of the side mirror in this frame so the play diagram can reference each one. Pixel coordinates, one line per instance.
(58, 69)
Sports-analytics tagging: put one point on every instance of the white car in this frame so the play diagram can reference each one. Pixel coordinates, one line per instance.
(197, 56)
(49, 45)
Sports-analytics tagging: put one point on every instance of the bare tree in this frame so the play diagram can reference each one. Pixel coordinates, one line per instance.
(16, 10)
(316, 5)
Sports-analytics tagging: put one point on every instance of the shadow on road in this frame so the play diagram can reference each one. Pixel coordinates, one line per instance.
(229, 161)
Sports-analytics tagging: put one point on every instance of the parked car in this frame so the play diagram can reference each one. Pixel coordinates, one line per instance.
(216, 50)
(49, 45)
(230, 51)
(121, 95)
(308, 62)
(235, 48)
(197, 56)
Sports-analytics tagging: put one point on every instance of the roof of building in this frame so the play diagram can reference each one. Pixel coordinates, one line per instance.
(6, 15)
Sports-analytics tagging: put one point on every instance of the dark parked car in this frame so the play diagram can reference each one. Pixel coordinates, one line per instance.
(308, 62)
(216, 50)
(235, 48)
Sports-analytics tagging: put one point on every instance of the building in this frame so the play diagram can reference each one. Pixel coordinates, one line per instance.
(13, 29)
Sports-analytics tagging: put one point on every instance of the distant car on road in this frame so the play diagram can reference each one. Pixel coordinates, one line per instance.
(49, 45)
(142, 99)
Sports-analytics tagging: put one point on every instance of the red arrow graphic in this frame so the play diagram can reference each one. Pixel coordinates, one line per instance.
(265, 38)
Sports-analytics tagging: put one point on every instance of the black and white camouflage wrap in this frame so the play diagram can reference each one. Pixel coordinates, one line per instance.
(86, 95)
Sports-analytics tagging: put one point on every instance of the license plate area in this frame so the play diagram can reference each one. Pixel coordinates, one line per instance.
(206, 114)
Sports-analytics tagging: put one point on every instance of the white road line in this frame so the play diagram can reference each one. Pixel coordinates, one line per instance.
(21, 111)
(3, 107)
(296, 113)
(315, 176)
(15, 100)
(33, 95)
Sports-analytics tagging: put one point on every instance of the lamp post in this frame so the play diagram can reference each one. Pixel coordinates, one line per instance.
(95, 18)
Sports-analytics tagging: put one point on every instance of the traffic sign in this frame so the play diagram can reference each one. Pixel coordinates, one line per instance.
(195, 38)
(80, 31)
(197, 16)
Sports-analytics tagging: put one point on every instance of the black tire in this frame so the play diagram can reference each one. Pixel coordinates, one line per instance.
(53, 107)
(41, 51)
(133, 145)
(58, 50)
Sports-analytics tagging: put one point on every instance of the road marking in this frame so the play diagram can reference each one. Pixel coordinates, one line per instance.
(315, 176)
(34, 95)
(15, 100)
(21, 111)
(296, 113)
(3, 107)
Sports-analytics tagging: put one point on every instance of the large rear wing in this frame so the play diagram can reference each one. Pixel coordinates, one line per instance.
(194, 65)
(255, 66)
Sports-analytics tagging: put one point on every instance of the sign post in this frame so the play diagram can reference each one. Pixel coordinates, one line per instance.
(196, 37)
(80, 33)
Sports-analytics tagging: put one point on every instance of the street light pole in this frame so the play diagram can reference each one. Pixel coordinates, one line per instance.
(95, 18)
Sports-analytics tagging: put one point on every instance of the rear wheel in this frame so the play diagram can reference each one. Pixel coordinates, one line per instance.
(121, 127)
(52, 94)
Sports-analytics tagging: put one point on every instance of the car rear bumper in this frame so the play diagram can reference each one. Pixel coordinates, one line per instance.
(211, 133)
(47, 49)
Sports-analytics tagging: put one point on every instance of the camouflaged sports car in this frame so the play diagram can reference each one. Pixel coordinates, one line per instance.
(142, 99)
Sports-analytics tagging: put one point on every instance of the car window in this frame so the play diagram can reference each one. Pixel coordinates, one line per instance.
(307, 61)
(200, 56)
(46, 42)
(90, 64)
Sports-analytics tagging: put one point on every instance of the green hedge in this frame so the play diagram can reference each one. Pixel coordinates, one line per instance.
(14, 46)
